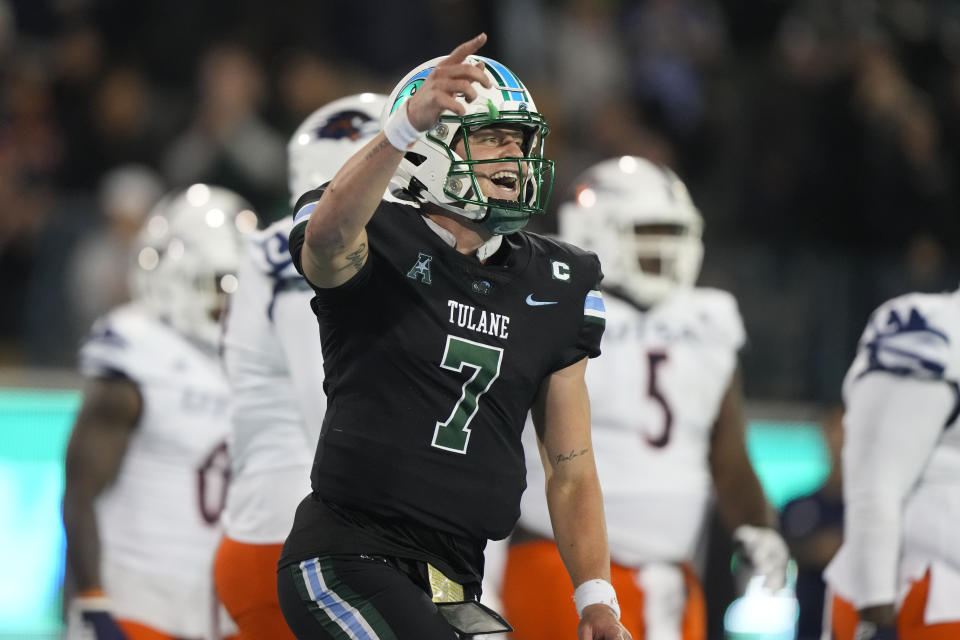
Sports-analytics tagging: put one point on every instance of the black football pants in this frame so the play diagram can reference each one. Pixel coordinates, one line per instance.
(359, 597)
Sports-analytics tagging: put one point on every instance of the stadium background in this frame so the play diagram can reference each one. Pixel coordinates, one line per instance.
(820, 139)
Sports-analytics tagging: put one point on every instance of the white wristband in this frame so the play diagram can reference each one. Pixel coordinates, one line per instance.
(399, 131)
(91, 603)
(595, 592)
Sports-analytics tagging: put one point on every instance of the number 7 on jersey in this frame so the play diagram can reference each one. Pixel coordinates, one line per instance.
(454, 433)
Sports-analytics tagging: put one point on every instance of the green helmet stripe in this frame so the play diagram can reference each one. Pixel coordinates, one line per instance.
(499, 79)
(515, 90)
(522, 89)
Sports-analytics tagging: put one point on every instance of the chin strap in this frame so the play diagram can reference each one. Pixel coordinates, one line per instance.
(472, 212)
(504, 220)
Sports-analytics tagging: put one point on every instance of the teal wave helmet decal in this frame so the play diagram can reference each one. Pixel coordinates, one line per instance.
(411, 88)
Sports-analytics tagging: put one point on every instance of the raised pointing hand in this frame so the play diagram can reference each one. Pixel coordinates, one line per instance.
(450, 78)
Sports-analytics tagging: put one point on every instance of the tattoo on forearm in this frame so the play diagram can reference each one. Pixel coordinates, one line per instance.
(378, 148)
(569, 456)
(356, 258)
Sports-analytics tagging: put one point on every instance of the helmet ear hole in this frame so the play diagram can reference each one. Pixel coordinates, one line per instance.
(415, 159)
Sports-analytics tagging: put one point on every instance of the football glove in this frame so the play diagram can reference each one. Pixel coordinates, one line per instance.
(95, 616)
(765, 551)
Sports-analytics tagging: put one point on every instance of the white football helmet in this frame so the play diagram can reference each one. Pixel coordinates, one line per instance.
(187, 256)
(148, 246)
(431, 171)
(639, 219)
(328, 137)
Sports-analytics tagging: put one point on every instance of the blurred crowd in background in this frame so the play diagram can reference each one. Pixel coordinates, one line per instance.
(820, 138)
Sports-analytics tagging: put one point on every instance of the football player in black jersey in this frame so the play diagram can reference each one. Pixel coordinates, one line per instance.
(442, 325)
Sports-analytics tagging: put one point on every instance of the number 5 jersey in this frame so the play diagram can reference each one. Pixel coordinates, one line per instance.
(654, 397)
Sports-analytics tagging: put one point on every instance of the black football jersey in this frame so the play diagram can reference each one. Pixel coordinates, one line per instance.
(432, 361)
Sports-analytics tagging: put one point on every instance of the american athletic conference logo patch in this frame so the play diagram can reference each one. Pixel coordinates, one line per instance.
(421, 268)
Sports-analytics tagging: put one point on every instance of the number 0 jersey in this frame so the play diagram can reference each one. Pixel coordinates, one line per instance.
(432, 361)
(654, 398)
(158, 521)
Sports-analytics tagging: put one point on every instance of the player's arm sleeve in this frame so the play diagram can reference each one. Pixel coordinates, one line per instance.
(891, 425)
(592, 323)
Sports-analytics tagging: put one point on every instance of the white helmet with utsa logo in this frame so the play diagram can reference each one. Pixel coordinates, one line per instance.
(328, 137)
(187, 256)
(431, 172)
(639, 219)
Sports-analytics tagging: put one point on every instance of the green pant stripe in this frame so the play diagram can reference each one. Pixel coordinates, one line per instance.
(314, 607)
(358, 602)
(334, 604)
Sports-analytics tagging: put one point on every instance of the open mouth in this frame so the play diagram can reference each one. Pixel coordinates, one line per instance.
(505, 180)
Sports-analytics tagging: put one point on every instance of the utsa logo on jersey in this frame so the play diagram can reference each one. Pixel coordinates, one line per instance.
(199, 401)
(658, 330)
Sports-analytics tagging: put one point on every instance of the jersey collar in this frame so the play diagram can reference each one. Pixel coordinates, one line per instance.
(485, 250)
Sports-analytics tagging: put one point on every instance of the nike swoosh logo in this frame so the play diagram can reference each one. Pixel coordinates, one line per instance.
(538, 303)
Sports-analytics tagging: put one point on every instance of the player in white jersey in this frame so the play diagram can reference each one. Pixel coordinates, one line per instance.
(666, 417)
(275, 368)
(897, 574)
(147, 461)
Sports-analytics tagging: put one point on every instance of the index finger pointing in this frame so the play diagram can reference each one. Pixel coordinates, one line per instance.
(459, 54)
